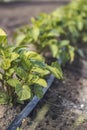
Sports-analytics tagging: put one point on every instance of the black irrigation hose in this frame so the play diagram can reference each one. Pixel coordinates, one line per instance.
(30, 106)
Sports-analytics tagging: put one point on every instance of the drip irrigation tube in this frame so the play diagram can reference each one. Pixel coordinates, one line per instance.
(30, 106)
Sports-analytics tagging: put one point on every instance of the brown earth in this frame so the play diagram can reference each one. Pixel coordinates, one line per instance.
(16, 14)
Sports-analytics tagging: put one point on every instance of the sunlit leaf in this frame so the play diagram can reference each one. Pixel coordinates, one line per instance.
(35, 33)
(4, 98)
(20, 39)
(3, 36)
(55, 70)
(64, 43)
(13, 82)
(33, 55)
(14, 56)
(40, 71)
(23, 92)
(20, 72)
(6, 64)
(41, 82)
(71, 53)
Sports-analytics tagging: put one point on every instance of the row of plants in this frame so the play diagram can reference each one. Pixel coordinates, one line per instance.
(23, 72)
(59, 32)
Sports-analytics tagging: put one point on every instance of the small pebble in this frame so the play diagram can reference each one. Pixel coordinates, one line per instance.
(82, 105)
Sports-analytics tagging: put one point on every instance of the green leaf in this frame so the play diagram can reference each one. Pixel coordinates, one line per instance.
(64, 43)
(85, 38)
(32, 78)
(64, 57)
(53, 33)
(35, 79)
(55, 70)
(2, 36)
(33, 55)
(13, 82)
(54, 49)
(35, 33)
(21, 73)
(80, 52)
(38, 90)
(14, 56)
(40, 71)
(2, 33)
(58, 67)
(23, 92)
(6, 64)
(20, 38)
(41, 82)
(25, 62)
(10, 72)
(38, 63)
(19, 49)
(80, 25)
(71, 53)
(4, 98)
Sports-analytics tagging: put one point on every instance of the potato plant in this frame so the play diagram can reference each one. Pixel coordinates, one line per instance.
(60, 31)
(74, 20)
(22, 72)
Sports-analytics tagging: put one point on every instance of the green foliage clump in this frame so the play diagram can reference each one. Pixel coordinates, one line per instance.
(59, 31)
(22, 72)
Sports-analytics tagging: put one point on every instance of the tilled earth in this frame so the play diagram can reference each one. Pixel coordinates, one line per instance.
(64, 107)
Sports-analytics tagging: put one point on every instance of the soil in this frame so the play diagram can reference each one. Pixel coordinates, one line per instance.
(64, 107)
(16, 14)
